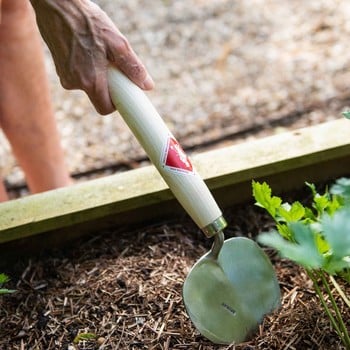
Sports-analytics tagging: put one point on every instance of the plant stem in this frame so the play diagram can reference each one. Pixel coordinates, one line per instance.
(334, 323)
(344, 332)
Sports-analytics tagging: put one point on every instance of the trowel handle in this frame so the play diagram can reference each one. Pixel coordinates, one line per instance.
(165, 152)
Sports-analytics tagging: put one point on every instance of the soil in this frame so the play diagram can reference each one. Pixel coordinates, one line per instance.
(124, 287)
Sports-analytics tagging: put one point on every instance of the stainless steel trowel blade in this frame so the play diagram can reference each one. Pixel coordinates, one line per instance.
(227, 298)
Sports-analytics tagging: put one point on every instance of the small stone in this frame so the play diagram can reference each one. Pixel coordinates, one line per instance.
(100, 340)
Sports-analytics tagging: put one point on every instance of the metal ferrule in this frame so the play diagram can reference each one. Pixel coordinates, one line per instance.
(214, 227)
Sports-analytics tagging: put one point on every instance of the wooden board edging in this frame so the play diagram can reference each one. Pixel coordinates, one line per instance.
(287, 159)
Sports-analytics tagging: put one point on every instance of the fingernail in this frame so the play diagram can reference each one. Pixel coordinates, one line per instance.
(148, 83)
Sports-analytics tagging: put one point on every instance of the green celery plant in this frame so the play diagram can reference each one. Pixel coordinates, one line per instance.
(315, 237)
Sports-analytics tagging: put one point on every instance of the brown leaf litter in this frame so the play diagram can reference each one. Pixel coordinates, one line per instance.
(124, 288)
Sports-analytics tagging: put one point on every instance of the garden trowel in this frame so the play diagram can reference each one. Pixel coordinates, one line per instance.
(230, 289)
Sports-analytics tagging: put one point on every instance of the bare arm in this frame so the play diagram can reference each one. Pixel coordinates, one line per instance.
(83, 41)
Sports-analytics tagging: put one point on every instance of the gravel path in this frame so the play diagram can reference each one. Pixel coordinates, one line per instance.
(220, 68)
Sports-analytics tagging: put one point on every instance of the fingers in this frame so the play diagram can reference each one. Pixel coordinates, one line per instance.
(119, 53)
(100, 97)
(123, 57)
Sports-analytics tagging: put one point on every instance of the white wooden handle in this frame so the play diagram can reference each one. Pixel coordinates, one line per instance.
(165, 152)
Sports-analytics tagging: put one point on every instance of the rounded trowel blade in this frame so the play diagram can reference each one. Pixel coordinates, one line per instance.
(227, 298)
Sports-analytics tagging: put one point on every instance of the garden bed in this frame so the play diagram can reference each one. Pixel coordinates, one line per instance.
(124, 287)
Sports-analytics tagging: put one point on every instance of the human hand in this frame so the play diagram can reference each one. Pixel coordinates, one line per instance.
(83, 42)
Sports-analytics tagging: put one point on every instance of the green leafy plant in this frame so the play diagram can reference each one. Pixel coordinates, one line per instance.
(4, 279)
(316, 237)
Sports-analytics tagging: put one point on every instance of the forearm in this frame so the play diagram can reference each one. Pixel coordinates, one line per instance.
(64, 4)
(59, 23)
(62, 8)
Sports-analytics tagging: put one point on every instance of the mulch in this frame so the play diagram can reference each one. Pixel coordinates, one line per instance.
(124, 287)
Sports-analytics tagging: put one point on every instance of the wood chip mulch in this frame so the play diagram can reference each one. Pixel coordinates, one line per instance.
(124, 288)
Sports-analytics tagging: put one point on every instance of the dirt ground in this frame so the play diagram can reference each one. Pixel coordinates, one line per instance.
(125, 288)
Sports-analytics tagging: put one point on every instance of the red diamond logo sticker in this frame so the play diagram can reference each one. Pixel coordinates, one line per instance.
(175, 158)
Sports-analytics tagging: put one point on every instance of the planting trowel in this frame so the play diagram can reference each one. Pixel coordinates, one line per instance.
(230, 289)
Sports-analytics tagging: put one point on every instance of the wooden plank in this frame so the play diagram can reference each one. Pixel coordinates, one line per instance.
(287, 159)
(275, 154)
